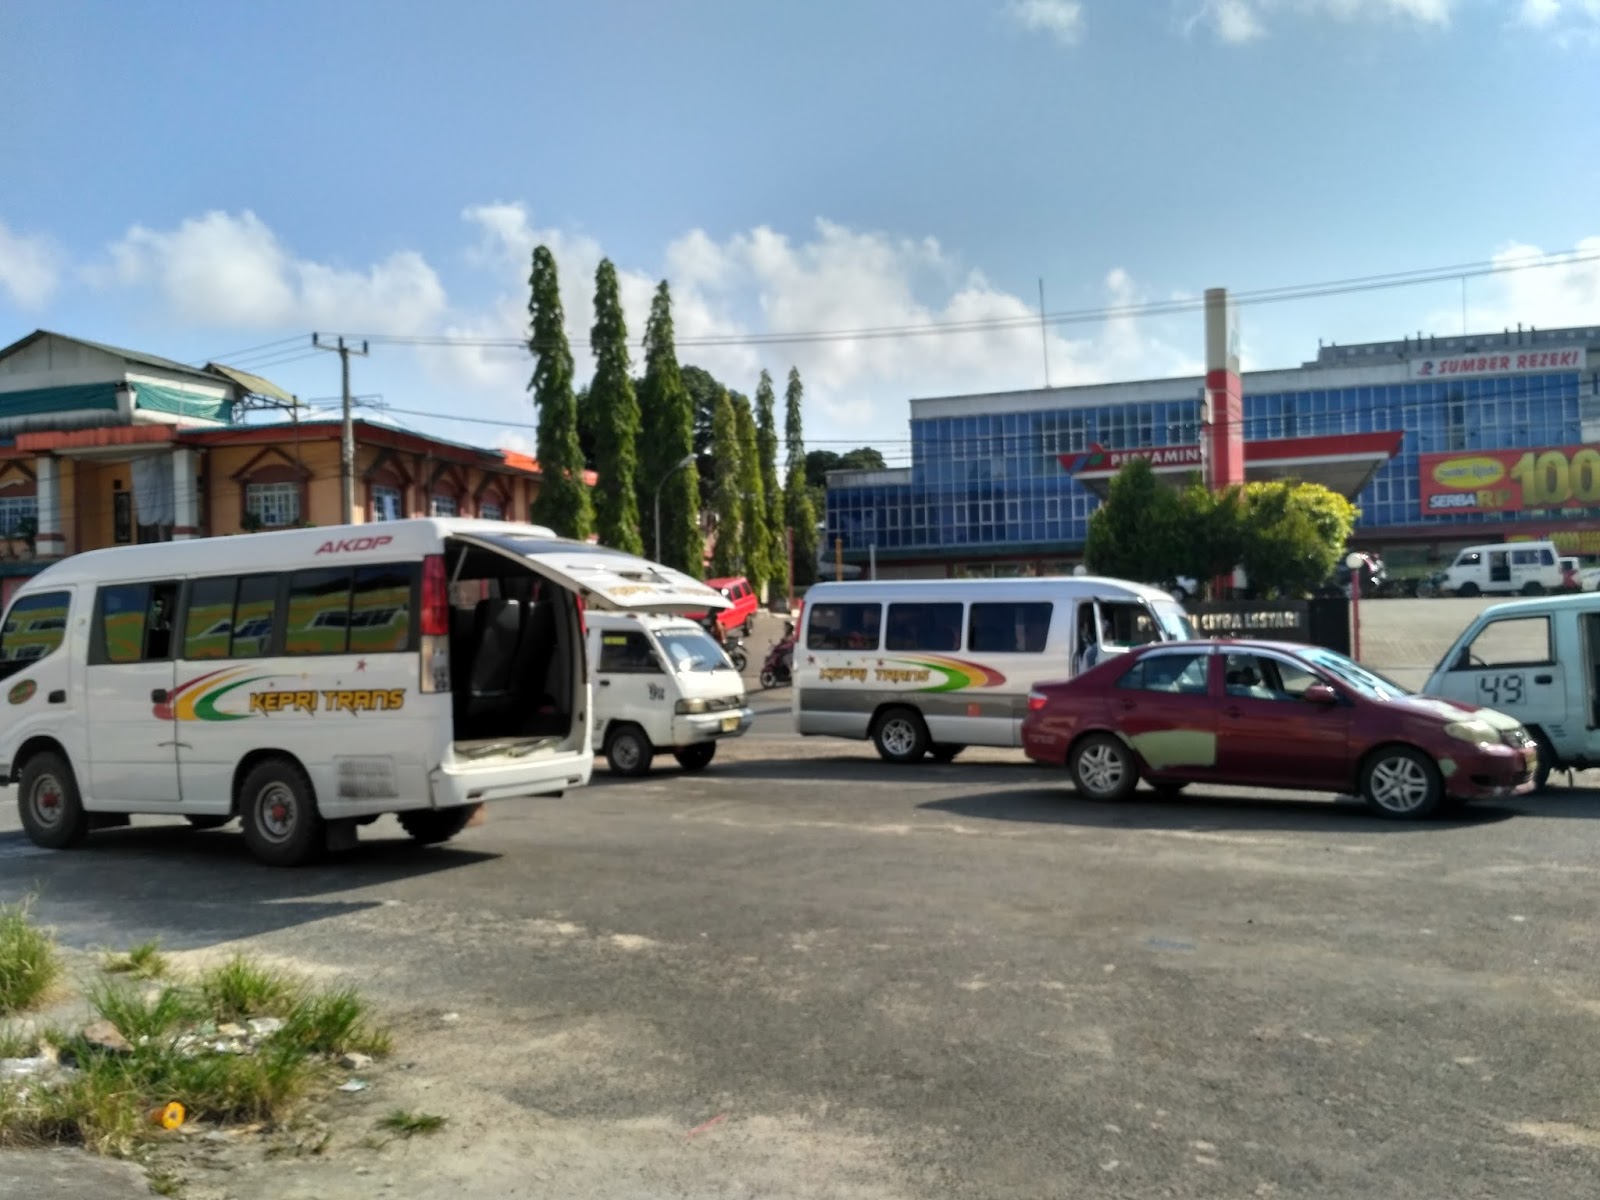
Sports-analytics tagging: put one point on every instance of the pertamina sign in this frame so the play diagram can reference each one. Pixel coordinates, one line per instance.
(1459, 366)
(1098, 459)
(1505, 481)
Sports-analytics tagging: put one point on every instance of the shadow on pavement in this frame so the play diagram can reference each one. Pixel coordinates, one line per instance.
(1200, 811)
(196, 889)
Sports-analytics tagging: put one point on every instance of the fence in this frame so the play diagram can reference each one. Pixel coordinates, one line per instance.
(1322, 622)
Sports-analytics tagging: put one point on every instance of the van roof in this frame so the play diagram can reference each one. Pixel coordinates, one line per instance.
(650, 620)
(274, 551)
(1044, 586)
(1534, 604)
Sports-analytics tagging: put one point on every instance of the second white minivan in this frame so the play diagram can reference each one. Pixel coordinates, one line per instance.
(1505, 568)
(661, 684)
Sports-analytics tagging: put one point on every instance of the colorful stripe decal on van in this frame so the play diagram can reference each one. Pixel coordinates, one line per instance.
(957, 674)
(197, 699)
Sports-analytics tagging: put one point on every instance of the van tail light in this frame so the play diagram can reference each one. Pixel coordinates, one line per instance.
(435, 626)
(1036, 701)
(583, 617)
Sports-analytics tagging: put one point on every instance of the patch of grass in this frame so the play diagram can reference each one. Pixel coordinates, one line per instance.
(164, 1182)
(29, 964)
(241, 988)
(408, 1124)
(16, 1044)
(335, 1022)
(144, 961)
(97, 1110)
(162, 1015)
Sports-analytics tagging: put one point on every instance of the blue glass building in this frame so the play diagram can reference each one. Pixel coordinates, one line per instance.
(1005, 483)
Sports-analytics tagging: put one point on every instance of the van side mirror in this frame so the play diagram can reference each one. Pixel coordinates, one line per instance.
(1320, 693)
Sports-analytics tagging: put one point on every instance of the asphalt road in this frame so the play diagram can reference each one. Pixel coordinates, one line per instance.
(952, 981)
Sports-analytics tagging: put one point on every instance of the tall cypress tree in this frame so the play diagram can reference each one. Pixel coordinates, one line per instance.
(802, 517)
(615, 411)
(563, 500)
(752, 498)
(727, 557)
(767, 448)
(668, 438)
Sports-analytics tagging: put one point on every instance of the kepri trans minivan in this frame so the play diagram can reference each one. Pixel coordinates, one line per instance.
(308, 681)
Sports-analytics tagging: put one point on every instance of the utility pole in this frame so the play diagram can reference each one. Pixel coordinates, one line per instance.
(347, 440)
(1044, 333)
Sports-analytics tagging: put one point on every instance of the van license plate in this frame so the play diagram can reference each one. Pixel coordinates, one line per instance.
(729, 724)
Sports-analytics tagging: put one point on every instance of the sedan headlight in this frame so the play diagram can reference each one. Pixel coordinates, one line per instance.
(1480, 732)
(684, 707)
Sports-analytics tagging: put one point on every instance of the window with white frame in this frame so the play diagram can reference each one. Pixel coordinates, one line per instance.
(275, 505)
(385, 503)
(491, 511)
(444, 506)
(17, 513)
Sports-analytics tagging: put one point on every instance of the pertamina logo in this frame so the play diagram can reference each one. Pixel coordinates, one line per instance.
(354, 545)
(1474, 472)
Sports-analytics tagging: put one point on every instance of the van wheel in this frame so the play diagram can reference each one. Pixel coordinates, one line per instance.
(279, 813)
(1547, 760)
(1467, 590)
(1533, 588)
(944, 752)
(628, 751)
(1402, 783)
(49, 804)
(749, 626)
(212, 822)
(431, 826)
(696, 757)
(900, 736)
(1103, 768)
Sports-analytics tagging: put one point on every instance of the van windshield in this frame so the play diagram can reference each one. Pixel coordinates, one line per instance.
(1175, 623)
(691, 650)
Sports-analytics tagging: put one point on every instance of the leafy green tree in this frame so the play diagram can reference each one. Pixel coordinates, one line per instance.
(727, 556)
(1293, 535)
(753, 538)
(801, 515)
(1141, 530)
(704, 388)
(586, 420)
(563, 500)
(772, 492)
(820, 462)
(667, 439)
(614, 412)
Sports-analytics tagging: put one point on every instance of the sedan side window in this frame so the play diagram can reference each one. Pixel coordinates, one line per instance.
(1176, 674)
(1262, 677)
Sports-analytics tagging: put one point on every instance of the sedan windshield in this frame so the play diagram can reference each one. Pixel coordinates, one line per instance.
(688, 650)
(1368, 683)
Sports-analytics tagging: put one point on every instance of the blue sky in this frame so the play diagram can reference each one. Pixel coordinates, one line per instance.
(195, 179)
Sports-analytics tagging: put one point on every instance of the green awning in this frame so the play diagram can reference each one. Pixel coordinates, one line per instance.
(153, 397)
(38, 402)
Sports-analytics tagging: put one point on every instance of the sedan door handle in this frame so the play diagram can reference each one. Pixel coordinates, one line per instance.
(1544, 678)
(158, 696)
(1233, 710)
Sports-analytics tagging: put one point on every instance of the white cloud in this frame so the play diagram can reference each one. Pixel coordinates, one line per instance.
(1544, 297)
(1061, 19)
(30, 268)
(1539, 13)
(225, 271)
(1236, 21)
(1570, 22)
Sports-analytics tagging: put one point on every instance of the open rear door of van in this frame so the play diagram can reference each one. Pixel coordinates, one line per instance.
(604, 579)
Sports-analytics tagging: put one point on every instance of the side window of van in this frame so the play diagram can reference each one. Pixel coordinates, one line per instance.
(1510, 642)
(844, 627)
(1008, 628)
(230, 618)
(333, 610)
(627, 654)
(924, 627)
(34, 629)
(1547, 557)
(133, 623)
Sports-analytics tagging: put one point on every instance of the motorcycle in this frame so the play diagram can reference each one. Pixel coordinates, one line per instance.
(1433, 585)
(777, 670)
(735, 652)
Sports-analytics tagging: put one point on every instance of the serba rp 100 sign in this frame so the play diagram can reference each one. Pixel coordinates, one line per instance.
(1506, 481)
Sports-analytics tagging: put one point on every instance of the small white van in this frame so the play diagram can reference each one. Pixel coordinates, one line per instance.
(306, 682)
(661, 684)
(1505, 568)
(929, 667)
(1538, 661)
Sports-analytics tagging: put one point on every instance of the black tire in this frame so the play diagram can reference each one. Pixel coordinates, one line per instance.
(1533, 588)
(943, 752)
(629, 752)
(1103, 768)
(278, 810)
(1467, 591)
(430, 826)
(739, 661)
(1402, 783)
(49, 804)
(749, 626)
(1168, 791)
(1547, 760)
(696, 757)
(208, 822)
(901, 736)
(769, 679)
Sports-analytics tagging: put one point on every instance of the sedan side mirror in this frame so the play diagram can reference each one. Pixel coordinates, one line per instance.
(1320, 693)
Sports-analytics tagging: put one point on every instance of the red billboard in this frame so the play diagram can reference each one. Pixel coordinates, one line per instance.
(1507, 481)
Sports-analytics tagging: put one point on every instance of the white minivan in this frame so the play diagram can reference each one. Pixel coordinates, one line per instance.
(1538, 661)
(1505, 568)
(929, 667)
(661, 684)
(308, 681)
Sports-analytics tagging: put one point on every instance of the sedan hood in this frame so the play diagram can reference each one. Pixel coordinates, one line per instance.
(1451, 710)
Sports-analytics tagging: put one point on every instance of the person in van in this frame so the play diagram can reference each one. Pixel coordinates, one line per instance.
(1088, 640)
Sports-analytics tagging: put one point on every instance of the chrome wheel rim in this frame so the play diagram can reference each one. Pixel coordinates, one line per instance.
(47, 802)
(625, 752)
(277, 812)
(1399, 784)
(899, 737)
(1101, 769)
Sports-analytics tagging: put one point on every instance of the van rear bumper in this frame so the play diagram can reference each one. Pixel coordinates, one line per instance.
(452, 787)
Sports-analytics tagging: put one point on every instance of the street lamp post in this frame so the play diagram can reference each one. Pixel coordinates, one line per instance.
(1355, 560)
(672, 470)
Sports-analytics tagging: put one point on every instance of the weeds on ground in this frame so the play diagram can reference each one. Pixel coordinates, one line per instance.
(158, 1015)
(336, 1022)
(242, 988)
(408, 1124)
(144, 961)
(165, 1183)
(29, 964)
(14, 1043)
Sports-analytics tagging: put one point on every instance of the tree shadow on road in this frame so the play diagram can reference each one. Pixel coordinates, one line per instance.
(1201, 811)
(194, 889)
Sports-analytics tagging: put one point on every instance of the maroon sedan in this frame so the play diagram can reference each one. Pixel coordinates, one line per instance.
(1269, 714)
